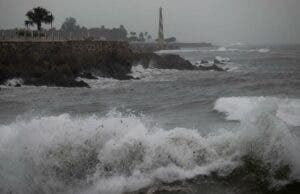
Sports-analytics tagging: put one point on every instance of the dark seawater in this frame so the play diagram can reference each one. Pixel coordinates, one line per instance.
(169, 132)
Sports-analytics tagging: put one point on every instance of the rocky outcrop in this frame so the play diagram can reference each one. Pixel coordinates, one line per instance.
(210, 68)
(169, 61)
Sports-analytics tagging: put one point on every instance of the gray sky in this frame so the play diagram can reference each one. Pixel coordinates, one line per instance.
(218, 21)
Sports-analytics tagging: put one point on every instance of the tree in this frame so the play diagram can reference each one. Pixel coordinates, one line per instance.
(70, 24)
(28, 23)
(123, 31)
(37, 16)
(132, 33)
(141, 37)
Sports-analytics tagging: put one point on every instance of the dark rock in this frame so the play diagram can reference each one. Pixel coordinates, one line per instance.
(18, 85)
(81, 84)
(291, 188)
(174, 62)
(168, 61)
(87, 75)
(58, 81)
(204, 61)
(210, 68)
(216, 61)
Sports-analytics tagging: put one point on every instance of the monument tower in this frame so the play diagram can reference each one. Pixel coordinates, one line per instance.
(161, 39)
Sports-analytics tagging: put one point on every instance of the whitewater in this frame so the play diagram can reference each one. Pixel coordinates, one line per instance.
(174, 131)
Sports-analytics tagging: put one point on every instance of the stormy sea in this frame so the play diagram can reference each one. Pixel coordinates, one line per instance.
(169, 131)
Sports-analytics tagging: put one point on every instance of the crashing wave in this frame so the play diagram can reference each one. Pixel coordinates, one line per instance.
(16, 82)
(100, 82)
(263, 50)
(238, 108)
(123, 153)
(222, 49)
(151, 74)
(222, 59)
(238, 44)
(176, 51)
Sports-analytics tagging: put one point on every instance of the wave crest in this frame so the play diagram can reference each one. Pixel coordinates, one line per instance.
(122, 153)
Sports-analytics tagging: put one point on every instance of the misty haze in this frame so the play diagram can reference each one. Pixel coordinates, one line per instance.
(150, 97)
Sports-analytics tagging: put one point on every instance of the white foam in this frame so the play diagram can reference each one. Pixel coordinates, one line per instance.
(100, 82)
(183, 50)
(132, 154)
(221, 49)
(224, 49)
(13, 82)
(263, 50)
(152, 74)
(238, 108)
(242, 49)
(238, 44)
(223, 59)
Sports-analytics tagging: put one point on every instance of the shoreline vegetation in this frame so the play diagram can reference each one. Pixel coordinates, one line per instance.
(61, 63)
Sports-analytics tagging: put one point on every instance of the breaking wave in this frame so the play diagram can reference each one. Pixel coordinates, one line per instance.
(264, 50)
(100, 82)
(124, 152)
(237, 108)
(230, 49)
(222, 49)
(14, 82)
(152, 74)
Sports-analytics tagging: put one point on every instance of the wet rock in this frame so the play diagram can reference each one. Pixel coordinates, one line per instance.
(174, 62)
(87, 75)
(210, 68)
(216, 61)
(166, 61)
(170, 61)
(204, 62)
(57, 81)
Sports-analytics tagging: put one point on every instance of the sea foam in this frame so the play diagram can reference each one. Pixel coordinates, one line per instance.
(123, 153)
(237, 108)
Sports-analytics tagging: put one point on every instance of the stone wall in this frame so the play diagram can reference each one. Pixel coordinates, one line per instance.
(59, 63)
(50, 47)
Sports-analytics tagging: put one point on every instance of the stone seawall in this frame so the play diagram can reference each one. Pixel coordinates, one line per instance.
(48, 47)
(59, 63)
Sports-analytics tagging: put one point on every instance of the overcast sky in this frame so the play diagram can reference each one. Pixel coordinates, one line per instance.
(218, 21)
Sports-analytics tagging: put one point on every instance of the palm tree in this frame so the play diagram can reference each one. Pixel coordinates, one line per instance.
(39, 15)
(28, 23)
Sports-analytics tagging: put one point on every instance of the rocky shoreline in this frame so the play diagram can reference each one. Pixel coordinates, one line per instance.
(58, 66)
